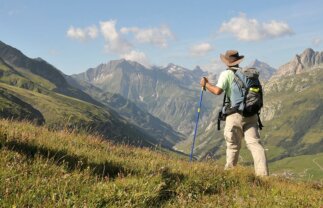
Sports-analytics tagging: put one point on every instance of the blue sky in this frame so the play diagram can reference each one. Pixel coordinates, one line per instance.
(77, 35)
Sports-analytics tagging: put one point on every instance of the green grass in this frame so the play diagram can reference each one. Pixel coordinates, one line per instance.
(42, 168)
(61, 111)
(23, 78)
(305, 167)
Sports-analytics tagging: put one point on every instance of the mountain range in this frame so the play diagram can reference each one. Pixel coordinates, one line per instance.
(34, 90)
(165, 92)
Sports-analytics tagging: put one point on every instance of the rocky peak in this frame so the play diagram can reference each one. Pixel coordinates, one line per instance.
(174, 69)
(257, 62)
(198, 69)
(265, 70)
(307, 60)
(311, 58)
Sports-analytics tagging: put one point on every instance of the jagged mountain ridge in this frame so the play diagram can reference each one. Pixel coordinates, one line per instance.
(308, 59)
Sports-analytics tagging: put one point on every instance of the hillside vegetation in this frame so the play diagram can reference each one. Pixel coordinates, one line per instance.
(293, 115)
(42, 168)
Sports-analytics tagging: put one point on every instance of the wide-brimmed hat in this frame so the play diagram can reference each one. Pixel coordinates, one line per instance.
(231, 57)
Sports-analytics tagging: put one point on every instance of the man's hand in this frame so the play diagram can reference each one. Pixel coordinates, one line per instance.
(203, 81)
(213, 89)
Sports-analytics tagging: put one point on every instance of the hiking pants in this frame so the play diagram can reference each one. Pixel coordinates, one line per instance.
(237, 127)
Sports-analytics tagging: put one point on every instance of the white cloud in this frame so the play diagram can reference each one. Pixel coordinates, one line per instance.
(252, 30)
(156, 36)
(316, 41)
(113, 41)
(201, 49)
(82, 34)
(137, 56)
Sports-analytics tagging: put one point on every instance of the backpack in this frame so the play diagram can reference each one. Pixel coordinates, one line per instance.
(246, 95)
(246, 92)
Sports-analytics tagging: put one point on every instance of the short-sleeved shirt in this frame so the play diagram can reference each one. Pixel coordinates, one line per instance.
(225, 81)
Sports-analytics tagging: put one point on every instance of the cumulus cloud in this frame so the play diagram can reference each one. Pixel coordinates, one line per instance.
(137, 56)
(82, 34)
(113, 41)
(246, 29)
(201, 49)
(316, 41)
(156, 36)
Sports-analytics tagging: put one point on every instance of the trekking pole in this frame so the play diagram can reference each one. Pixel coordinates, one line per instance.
(197, 120)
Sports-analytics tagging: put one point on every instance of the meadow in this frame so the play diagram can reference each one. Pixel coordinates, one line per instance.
(45, 168)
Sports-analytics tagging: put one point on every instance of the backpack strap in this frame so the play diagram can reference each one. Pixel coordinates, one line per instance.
(226, 100)
(239, 82)
(259, 122)
(220, 116)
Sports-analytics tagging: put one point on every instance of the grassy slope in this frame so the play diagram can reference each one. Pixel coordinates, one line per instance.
(297, 123)
(13, 107)
(40, 168)
(62, 111)
(306, 166)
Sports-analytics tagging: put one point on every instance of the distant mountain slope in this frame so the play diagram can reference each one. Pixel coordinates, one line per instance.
(294, 113)
(169, 93)
(38, 69)
(37, 66)
(41, 93)
(265, 70)
(126, 108)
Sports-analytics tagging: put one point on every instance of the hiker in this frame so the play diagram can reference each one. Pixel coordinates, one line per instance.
(237, 125)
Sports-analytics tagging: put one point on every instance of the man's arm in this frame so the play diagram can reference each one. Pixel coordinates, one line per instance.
(213, 89)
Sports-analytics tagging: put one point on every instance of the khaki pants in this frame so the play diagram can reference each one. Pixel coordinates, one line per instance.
(237, 127)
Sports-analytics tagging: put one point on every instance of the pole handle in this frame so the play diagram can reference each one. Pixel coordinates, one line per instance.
(204, 87)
